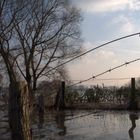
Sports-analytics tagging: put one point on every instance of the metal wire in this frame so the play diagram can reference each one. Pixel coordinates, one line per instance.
(109, 70)
(102, 45)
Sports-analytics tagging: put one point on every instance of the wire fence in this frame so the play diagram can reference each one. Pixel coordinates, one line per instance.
(93, 49)
(99, 94)
(107, 71)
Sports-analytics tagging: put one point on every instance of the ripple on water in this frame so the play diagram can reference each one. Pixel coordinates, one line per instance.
(81, 125)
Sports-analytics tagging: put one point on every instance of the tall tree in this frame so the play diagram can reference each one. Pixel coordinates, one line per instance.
(48, 34)
(35, 35)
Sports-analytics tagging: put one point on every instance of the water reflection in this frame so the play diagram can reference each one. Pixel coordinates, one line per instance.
(80, 125)
(133, 117)
(40, 120)
(60, 121)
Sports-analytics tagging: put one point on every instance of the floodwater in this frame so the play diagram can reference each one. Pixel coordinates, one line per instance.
(81, 125)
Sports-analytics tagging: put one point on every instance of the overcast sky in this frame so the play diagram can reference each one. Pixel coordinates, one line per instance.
(104, 20)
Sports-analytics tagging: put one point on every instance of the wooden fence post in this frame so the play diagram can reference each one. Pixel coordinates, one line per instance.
(60, 99)
(133, 105)
(41, 106)
(19, 115)
(63, 94)
(133, 90)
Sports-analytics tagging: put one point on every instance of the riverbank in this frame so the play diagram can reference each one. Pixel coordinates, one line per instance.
(100, 106)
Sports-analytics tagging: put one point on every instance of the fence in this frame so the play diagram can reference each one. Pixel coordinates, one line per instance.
(128, 96)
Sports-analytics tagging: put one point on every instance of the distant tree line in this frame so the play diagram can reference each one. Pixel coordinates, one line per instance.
(99, 94)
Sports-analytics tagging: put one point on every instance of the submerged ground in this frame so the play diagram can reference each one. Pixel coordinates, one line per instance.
(80, 125)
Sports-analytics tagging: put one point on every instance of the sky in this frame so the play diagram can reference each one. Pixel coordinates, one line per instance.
(103, 21)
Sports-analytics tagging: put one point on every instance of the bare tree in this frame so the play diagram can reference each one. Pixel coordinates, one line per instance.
(19, 122)
(35, 35)
(9, 12)
(48, 35)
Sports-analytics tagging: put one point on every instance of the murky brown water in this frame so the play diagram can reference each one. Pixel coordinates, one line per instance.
(81, 125)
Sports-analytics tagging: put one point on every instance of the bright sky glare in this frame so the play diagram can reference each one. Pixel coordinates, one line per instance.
(104, 20)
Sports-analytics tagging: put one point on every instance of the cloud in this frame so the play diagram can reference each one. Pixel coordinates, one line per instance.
(105, 58)
(124, 23)
(105, 55)
(99, 54)
(92, 63)
(107, 5)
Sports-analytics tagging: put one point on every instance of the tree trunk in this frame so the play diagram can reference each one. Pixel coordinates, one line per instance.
(19, 116)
